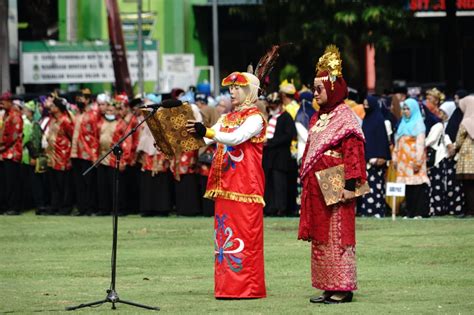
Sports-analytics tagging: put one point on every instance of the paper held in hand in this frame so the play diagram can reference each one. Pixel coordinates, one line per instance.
(168, 127)
(331, 182)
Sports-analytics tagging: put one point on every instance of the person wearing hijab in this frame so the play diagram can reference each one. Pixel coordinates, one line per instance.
(440, 191)
(377, 153)
(410, 159)
(465, 147)
(236, 184)
(335, 138)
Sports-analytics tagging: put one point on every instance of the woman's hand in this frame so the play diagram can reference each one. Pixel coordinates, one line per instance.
(190, 126)
(347, 195)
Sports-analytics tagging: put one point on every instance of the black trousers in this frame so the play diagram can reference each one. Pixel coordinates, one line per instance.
(61, 191)
(41, 191)
(10, 177)
(131, 189)
(85, 187)
(207, 205)
(105, 182)
(276, 192)
(155, 194)
(27, 172)
(468, 186)
(187, 195)
(416, 199)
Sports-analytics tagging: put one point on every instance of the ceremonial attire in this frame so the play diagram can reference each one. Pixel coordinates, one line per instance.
(335, 138)
(236, 183)
(10, 160)
(85, 148)
(58, 151)
(331, 229)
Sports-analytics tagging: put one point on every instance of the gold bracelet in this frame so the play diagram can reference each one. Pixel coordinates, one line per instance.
(210, 133)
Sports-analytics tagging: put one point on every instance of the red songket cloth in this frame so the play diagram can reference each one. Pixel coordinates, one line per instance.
(12, 136)
(236, 182)
(85, 140)
(333, 267)
(59, 138)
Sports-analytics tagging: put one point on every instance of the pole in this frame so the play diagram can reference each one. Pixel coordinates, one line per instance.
(140, 48)
(215, 50)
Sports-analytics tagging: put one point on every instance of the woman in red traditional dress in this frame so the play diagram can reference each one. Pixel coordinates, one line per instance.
(236, 183)
(335, 137)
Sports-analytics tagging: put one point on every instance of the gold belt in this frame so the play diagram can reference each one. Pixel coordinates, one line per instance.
(333, 154)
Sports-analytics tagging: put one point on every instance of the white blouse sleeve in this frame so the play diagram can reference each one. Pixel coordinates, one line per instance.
(433, 137)
(251, 127)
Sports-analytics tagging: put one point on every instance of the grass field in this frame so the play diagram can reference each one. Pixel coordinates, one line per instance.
(405, 267)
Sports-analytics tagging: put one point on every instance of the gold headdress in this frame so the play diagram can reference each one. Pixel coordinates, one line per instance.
(436, 93)
(331, 63)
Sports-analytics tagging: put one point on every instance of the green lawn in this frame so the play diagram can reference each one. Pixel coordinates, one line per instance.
(405, 267)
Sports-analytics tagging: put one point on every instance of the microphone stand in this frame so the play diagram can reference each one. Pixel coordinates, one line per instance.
(112, 296)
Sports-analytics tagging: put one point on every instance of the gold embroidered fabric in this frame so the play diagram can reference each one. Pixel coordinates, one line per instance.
(168, 127)
(331, 181)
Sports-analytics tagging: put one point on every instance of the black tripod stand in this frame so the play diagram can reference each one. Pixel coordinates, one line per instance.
(112, 295)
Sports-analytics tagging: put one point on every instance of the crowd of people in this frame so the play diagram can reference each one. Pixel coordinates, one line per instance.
(423, 140)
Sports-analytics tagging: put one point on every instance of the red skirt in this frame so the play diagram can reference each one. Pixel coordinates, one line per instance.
(333, 265)
(238, 247)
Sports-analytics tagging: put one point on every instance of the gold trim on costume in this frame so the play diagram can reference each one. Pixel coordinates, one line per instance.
(230, 195)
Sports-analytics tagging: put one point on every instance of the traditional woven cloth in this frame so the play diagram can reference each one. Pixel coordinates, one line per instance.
(168, 127)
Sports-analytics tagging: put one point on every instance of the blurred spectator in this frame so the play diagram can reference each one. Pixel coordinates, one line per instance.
(465, 147)
(277, 157)
(58, 151)
(11, 150)
(377, 153)
(437, 142)
(410, 159)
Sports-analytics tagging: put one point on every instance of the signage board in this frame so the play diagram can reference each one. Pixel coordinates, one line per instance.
(45, 62)
(395, 189)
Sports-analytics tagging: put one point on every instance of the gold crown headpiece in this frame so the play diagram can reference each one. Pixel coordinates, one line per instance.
(331, 63)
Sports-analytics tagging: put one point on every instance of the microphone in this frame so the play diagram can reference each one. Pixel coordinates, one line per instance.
(164, 104)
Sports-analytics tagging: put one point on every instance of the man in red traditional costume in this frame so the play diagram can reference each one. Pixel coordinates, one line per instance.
(58, 152)
(11, 149)
(335, 138)
(85, 149)
(236, 183)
